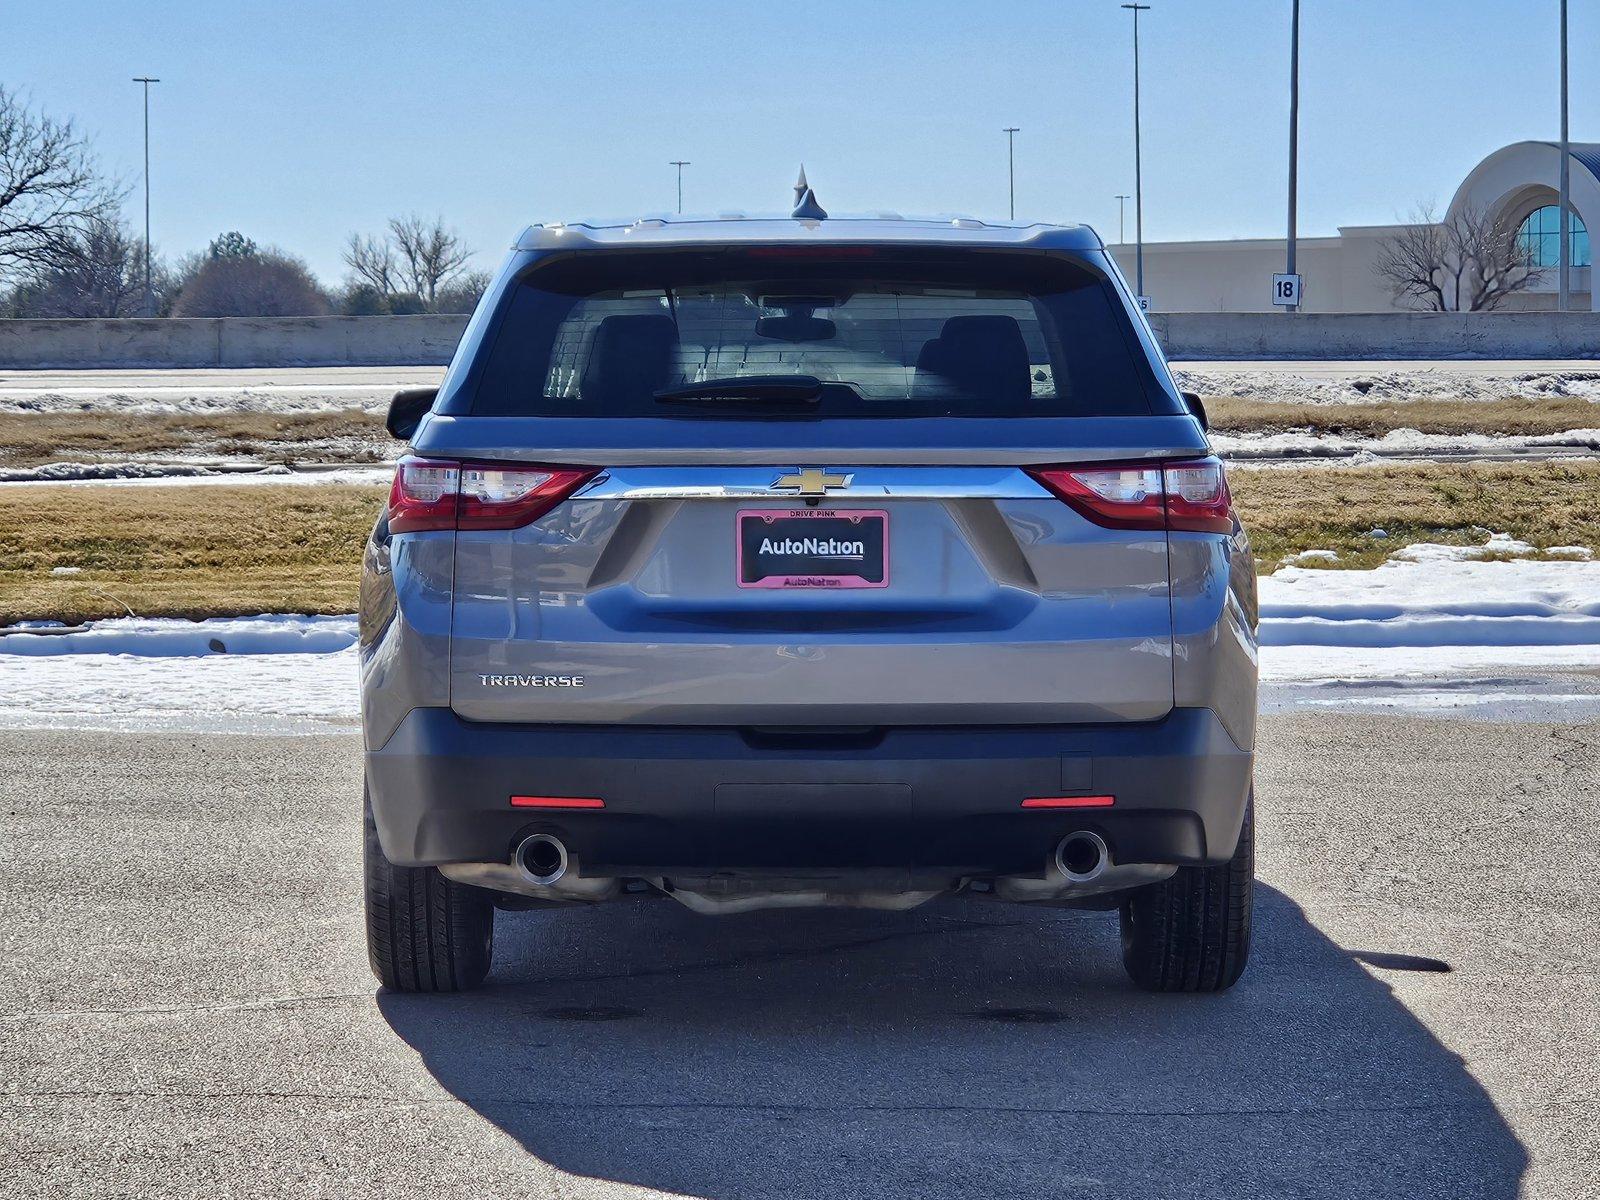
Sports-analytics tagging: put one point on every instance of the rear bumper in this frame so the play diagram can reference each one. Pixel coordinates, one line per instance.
(700, 798)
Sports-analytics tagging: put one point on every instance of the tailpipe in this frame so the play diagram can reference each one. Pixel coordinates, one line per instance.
(1082, 856)
(542, 859)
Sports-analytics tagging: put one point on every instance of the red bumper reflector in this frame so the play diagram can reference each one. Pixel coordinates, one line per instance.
(1069, 802)
(557, 802)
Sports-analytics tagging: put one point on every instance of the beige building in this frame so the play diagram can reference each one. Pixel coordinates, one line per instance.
(1520, 182)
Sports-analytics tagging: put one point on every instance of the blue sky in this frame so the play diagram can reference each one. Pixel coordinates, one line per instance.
(299, 122)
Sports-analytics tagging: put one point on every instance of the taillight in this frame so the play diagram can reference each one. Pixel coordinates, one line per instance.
(433, 493)
(1190, 495)
(1123, 497)
(1197, 496)
(424, 495)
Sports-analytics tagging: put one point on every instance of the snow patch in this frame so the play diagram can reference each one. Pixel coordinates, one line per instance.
(1332, 384)
(202, 399)
(1396, 443)
(1310, 556)
(1499, 544)
(229, 693)
(162, 476)
(1286, 663)
(75, 472)
(1442, 602)
(160, 637)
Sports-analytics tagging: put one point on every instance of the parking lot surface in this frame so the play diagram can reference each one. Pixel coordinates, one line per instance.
(185, 1008)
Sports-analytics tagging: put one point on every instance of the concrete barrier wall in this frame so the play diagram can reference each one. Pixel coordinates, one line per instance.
(430, 340)
(1191, 336)
(231, 342)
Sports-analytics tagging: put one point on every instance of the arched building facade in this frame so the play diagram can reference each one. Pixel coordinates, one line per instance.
(1518, 183)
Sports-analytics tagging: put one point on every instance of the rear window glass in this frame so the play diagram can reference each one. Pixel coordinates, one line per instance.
(851, 331)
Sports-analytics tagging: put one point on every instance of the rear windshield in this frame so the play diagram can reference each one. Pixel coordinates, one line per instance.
(804, 331)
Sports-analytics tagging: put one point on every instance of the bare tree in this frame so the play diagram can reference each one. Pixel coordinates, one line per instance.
(372, 262)
(103, 278)
(1468, 262)
(430, 255)
(51, 191)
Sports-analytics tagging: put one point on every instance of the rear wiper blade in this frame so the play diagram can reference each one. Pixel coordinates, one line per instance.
(760, 389)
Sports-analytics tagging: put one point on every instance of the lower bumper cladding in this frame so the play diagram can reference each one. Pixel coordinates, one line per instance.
(925, 803)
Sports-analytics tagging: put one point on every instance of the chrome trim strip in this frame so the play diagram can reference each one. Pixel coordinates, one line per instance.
(866, 483)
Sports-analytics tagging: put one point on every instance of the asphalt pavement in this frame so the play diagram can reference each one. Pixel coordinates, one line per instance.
(185, 1008)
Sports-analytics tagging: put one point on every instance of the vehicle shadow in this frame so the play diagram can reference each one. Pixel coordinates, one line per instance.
(963, 1049)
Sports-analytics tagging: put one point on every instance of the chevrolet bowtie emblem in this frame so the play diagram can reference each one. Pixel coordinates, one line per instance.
(811, 482)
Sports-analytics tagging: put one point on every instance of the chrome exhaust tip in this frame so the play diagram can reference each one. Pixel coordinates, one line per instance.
(1082, 856)
(542, 859)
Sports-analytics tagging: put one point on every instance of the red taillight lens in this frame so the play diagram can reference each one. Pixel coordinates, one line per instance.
(506, 497)
(1124, 496)
(424, 495)
(1191, 495)
(443, 494)
(1197, 496)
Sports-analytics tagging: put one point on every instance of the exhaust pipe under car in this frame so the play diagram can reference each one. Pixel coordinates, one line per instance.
(542, 859)
(1082, 856)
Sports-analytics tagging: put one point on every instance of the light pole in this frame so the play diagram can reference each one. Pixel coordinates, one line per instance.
(1122, 224)
(1138, 175)
(1564, 288)
(1011, 132)
(149, 296)
(1294, 134)
(680, 163)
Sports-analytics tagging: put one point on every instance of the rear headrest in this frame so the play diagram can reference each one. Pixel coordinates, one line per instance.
(630, 357)
(976, 356)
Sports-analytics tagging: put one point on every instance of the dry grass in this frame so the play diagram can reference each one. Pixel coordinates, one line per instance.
(28, 439)
(1518, 416)
(238, 549)
(181, 551)
(1554, 503)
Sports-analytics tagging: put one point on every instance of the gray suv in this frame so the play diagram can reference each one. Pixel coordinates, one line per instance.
(800, 562)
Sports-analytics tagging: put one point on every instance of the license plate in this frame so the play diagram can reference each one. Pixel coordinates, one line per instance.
(813, 548)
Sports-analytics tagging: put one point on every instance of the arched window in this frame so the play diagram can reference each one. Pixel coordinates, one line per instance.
(1540, 238)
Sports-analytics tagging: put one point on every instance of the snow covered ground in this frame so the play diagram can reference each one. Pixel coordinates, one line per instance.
(313, 389)
(68, 474)
(253, 674)
(284, 389)
(165, 637)
(1398, 443)
(1436, 629)
(1375, 382)
(1440, 603)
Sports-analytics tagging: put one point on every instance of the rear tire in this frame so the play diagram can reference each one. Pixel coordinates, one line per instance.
(425, 933)
(1191, 933)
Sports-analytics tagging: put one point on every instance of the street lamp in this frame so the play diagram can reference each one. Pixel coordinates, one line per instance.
(1138, 177)
(680, 163)
(149, 295)
(1011, 132)
(1122, 225)
(1564, 292)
